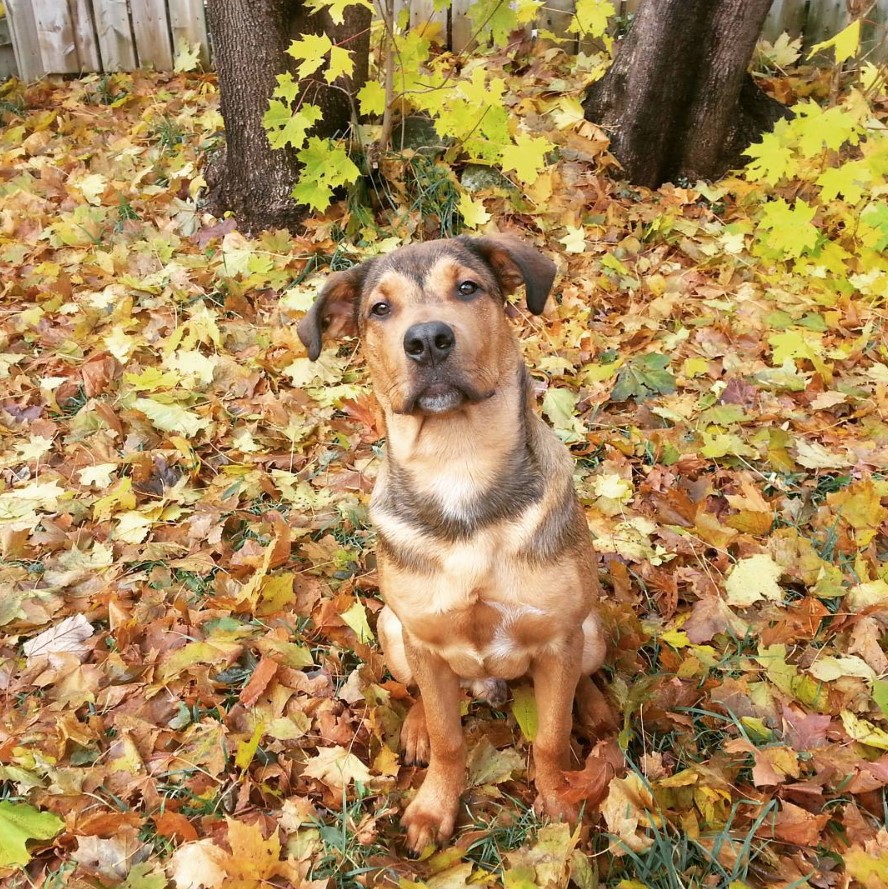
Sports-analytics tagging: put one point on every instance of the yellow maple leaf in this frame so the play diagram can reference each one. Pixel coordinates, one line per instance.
(527, 156)
(753, 579)
(844, 44)
(472, 212)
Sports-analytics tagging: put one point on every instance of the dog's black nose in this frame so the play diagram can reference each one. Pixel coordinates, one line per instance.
(429, 343)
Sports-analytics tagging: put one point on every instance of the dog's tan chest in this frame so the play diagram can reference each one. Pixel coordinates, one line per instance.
(483, 608)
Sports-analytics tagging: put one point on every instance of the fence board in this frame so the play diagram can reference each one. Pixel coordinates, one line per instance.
(85, 36)
(189, 26)
(7, 55)
(152, 32)
(55, 36)
(825, 18)
(24, 38)
(555, 16)
(785, 15)
(422, 13)
(116, 47)
(460, 26)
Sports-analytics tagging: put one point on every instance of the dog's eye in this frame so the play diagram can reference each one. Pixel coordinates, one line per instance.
(467, 288)
(381, 309)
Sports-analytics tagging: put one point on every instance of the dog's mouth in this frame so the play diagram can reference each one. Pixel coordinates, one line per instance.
(443, 398)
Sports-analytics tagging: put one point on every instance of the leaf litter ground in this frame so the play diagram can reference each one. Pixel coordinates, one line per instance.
(192, 692)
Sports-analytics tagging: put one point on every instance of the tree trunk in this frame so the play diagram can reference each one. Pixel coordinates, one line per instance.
(678, 102)
(250, 38)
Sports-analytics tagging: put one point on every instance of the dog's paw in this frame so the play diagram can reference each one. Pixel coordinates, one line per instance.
(415, 737)
(431, 817)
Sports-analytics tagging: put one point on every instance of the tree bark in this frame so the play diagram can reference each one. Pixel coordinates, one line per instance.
(250, 39)
(678, 102)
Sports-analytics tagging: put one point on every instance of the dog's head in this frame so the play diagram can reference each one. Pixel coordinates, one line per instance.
(431, 318)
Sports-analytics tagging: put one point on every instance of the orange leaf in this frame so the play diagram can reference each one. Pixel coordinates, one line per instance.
(175, 826)
(262, 675)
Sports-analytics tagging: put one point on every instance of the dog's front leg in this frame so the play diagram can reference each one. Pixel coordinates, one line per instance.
(555, 676)
(431, 816)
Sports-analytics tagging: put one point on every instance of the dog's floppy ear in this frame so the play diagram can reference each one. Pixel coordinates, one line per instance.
(515, 263)
(333, 312)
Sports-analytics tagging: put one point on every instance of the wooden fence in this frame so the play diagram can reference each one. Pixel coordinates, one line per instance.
(78, 36)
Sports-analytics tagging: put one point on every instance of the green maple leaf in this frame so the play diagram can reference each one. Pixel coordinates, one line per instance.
(310, 51)
(337, 8)
(286, 127)
(591, 18)
(19, 823)
(341, 64)
(876, 216)
(848, 180)
(526, 157)
(372, 98)
(642, 377)
(492, 19)
(845, 44)
(325, 167)
(412, 52)
(772, 158)
(786, 230)
(795, 344)
(816, 128)
(287, 88)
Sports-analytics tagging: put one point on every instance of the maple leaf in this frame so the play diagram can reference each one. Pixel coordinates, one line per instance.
(198, 864)
(591, 17)
(336, 8)
(626, 810)
(286, 127)
(875, 215)
(492, 19)
(336, 768)
(472, 212)
(67, 636)
(559, 405)
(171, 417)
(844, 44)
(371, 97)
(575, 239)
(782, 53)
(772, 158)
(341, 64)
(187, 57)
(789, 229)
(527, 156)
(287, 89)
(325, 167)
(642, 377)
(524, 709)
(309, 50)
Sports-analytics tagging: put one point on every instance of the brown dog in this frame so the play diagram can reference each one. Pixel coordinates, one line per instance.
(484, 556)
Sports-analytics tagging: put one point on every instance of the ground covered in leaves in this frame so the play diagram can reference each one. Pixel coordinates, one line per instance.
(191, 690)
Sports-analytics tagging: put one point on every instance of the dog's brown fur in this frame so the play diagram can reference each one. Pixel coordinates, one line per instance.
(484, 556)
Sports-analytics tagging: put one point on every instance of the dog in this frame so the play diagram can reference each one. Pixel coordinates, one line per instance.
(484, 555)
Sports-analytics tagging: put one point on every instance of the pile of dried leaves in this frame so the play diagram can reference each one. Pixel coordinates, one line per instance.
(192, 693)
